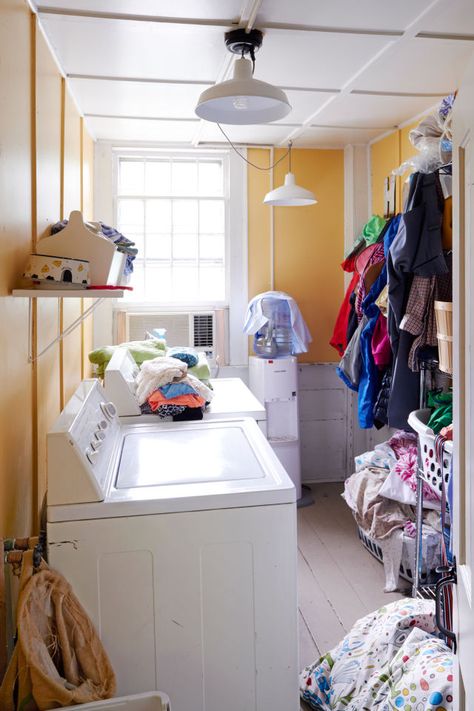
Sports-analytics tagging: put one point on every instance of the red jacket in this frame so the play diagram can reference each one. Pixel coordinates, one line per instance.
(339, 336)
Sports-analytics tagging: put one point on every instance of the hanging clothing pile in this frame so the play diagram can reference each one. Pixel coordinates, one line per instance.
(165, 388)
(386, 324)
(344, 327)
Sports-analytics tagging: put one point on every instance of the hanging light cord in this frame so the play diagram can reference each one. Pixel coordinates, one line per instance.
(258, 167)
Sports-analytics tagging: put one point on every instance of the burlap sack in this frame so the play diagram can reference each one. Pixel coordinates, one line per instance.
(59, 659)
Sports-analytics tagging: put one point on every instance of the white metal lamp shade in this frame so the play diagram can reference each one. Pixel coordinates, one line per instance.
(289, 194)
(243, 99)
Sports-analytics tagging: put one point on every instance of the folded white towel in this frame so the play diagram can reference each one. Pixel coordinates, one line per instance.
(157, 372)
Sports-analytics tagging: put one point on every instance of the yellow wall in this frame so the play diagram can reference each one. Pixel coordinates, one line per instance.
(385, 155)
(42, 170)
(309, 241)
(16, 457)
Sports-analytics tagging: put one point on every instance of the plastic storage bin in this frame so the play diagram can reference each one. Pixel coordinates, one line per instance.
(433, 473)
(431, 553)
(150, 701)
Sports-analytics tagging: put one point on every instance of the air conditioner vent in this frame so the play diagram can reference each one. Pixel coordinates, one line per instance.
(176, 325)
(203, 328)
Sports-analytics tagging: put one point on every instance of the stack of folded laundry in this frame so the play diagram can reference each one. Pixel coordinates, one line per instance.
(167, 388)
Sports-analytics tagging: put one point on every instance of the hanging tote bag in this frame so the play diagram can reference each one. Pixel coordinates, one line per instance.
(59, 659)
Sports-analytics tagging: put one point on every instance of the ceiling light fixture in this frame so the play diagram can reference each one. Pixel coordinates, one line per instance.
(243, 100)
(289, 194)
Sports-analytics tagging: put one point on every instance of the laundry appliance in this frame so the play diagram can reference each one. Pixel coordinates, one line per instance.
(232, 398)
(179, 539)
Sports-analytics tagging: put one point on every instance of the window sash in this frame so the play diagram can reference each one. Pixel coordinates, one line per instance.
(202, 267)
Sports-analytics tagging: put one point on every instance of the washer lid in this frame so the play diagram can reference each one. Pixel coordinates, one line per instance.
(177, 456)
(178, 467)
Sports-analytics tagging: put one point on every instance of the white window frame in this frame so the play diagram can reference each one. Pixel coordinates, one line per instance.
(107, 154)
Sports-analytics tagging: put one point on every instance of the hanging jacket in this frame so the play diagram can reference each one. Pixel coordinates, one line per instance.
(372, 232)
(381, 350)
(339, 337)
(369, 381)
(353, 321)
(381, 403)
(369, 235)
(349, 367)
(416, 250)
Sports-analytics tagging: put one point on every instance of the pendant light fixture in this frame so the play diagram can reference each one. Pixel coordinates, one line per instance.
(290, 194)
(243, 100)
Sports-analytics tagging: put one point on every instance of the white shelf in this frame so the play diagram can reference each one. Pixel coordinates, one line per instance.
(70, 293)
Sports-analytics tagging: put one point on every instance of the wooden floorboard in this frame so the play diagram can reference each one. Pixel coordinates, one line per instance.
(339, 581)
(308, 648)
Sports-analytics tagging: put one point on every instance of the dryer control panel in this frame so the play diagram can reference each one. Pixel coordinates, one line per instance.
(81, 445)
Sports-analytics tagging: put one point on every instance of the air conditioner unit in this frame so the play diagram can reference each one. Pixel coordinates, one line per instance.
(203, 330)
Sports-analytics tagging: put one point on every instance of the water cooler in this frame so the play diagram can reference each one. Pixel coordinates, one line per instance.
(275, 383)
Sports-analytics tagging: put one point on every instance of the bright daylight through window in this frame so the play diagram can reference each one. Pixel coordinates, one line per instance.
(174, 209)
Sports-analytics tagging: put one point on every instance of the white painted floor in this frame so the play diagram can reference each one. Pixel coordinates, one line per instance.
(339, 581)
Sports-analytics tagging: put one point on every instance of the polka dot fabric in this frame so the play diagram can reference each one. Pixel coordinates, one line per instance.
(390, 660)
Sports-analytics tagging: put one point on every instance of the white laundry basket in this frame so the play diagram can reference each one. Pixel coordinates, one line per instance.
(151, 701)
(432, 471)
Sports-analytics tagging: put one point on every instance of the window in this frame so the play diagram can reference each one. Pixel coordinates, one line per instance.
(175, 209)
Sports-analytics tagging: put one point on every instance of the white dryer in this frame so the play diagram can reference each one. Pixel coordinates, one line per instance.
(232, 398)
(180, 542)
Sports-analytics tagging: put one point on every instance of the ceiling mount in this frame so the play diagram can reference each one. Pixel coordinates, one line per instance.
(242, 42)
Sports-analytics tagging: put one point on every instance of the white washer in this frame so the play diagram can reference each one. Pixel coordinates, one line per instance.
(180, 541)
(232, 398)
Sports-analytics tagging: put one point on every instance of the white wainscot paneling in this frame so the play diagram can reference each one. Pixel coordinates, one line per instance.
(325, 432)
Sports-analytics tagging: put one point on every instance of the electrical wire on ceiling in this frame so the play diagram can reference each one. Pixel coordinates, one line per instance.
(254, 165)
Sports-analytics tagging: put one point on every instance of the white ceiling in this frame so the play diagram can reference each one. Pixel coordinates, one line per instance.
(352, 70)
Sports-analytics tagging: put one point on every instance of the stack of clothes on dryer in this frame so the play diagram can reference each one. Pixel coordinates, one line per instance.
(382, 496)
(167, 386)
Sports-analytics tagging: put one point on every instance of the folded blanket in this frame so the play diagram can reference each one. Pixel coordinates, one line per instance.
(155, 373)
(139, 350)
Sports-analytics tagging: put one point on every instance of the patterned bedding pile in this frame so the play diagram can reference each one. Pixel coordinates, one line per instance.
(390, 660)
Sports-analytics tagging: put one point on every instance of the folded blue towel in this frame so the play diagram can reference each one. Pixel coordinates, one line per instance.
(174, 389)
